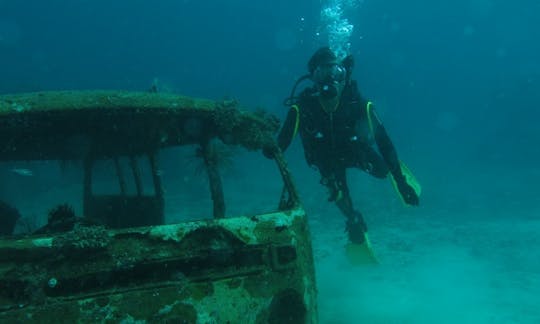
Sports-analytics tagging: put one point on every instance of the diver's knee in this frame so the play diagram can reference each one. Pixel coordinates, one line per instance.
(377, 171)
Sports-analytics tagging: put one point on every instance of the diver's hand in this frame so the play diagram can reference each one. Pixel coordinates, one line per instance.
(269, 151)
(408, 193)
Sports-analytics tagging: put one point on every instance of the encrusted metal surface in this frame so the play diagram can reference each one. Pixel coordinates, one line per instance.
(64, 125)
(249, 269)
(234, 270)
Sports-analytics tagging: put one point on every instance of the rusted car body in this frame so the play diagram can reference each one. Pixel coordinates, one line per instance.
(124, 263)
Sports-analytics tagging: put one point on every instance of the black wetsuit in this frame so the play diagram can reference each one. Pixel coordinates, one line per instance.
(343, 139)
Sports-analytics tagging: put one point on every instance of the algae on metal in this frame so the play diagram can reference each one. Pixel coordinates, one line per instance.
(254, 269)
(169, 271)
(45, 125)
(98, 99)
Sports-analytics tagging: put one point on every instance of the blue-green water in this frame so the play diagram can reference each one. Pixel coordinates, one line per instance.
(457, 84)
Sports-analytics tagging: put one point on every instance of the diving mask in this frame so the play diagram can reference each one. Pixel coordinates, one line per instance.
(329, 73)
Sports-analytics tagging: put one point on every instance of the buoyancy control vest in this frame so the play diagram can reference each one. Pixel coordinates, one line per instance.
(333, 136)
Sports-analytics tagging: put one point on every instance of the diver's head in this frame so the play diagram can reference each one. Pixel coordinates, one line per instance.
(328, 73)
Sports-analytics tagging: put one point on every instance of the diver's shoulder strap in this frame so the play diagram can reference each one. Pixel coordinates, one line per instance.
(369, 108)
(297, 120)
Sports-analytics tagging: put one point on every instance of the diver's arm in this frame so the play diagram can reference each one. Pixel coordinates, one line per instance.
(288, 130)
(386, 147)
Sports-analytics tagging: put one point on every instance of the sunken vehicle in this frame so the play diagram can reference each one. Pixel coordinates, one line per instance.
(123, 259)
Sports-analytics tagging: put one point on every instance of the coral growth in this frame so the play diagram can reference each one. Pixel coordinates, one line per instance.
(60, 219)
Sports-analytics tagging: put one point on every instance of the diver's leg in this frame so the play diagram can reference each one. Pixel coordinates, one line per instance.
(328, 179)
(374, 164)
(355, 224)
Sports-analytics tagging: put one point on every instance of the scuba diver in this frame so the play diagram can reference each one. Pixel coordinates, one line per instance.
(339, 130)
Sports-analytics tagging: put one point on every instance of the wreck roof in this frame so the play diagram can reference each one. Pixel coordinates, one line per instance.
(63, 125)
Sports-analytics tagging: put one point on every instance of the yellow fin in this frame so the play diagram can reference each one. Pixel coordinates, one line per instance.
(410, 179)
(361, 254)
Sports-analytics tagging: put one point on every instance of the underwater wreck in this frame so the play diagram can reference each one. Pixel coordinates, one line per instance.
(123, 263)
